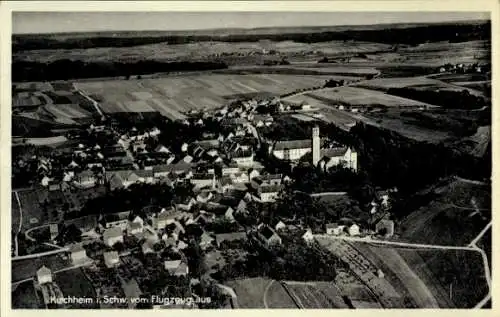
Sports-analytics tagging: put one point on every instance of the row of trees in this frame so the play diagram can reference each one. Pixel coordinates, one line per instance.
(295, 260)
(65, 69)
(448, 99)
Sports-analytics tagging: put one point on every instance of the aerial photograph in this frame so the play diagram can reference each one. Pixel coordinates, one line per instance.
(234, 160)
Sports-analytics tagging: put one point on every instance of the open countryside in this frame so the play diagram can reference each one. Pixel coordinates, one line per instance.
(336, 167)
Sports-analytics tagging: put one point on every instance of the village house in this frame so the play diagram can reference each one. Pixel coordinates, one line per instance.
(44, 275)
(204, 196)
(334, 229)
(68, 176)
(147, 247)
(112, 236)
(170, 241)
(150, 235)
(206, 240)
(268, 193)
(176, 268)
(164, 218)
(116, 220)
(308, 236)
(262, 120)
(268, 235)
(162, 149)
(78, 254)
(85, 179)
(229, 237)
(268, 179)
(279, 225)
(185, 204)
(165, 170)
(229, 214)
(181, 245)
(204, 218)
(253, 173)
(225, 184)
(135, 226)
(125, 178)
(240, 177)
(111, 259)
(203, 180)
(230, 169)
(175, 229)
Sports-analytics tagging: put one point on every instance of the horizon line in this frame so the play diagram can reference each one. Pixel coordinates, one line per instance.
(458, 21)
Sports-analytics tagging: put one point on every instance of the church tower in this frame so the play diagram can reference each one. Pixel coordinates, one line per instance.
(315, 146)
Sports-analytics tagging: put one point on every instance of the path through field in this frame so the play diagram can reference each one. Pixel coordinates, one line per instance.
(264, 296)
(16, 250)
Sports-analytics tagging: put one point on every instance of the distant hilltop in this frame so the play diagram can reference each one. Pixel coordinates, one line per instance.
(404, 33)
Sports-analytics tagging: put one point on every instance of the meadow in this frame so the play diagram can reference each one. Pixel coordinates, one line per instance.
(74, 283)
(363, 97)
(455, 217)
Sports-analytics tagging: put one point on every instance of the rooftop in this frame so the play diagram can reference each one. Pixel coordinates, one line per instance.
(293, 144)
(112, 233)
(334, 152)
(230, 236)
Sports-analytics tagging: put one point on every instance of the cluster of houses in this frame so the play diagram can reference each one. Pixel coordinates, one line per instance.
(222, 171)
(463, 68)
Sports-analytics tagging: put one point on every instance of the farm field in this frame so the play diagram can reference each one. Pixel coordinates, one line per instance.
(309, 295)
(252, 291)
(369, 285)
(417, 82)
(412, 129)
(173, 52)
(363, 97)
(63, 106)
(24, 296)
(424, 275)
(439, 53)
(342, 119)
(26, 269)
(173, 96)
(455, 217)
(414, 291)
(463, 270)
(75, 283)
(336, 72)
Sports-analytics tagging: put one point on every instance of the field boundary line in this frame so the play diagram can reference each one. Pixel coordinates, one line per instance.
(294, 298)
(264, 296)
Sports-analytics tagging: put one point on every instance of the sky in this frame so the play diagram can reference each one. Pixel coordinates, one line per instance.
(56, 22)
